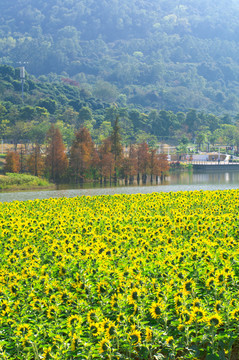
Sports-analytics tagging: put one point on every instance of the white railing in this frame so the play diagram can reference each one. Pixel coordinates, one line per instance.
(221, 162)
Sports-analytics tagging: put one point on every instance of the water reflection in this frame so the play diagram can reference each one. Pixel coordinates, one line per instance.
(205, 178)
(181, 181)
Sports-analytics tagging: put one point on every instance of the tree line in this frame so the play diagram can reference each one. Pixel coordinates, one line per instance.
(71, 106)
(84, 161)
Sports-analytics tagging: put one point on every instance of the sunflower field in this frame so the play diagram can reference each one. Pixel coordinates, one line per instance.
(147, 277)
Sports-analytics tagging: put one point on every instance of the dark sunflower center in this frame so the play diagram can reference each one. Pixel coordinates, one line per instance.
(214, 321)
(102, 289)
(157, 310)
(189, 286)
(134, 338)
(112, 330)
(104, 347)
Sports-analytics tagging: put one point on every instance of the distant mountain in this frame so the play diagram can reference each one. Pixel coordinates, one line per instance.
(163, 54)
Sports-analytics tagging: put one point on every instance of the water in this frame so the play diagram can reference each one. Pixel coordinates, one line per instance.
(181, 181)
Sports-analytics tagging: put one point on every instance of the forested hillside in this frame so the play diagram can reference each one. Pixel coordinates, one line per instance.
(26, 117)
(172, 55)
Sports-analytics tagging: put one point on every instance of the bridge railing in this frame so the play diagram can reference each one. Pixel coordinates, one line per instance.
(221, 162)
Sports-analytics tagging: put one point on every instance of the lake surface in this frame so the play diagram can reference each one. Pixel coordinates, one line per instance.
(181, 181)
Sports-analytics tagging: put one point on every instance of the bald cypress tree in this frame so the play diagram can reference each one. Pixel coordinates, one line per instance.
(143, 161)
(12, 163)
(116, 148)
(56, 158)
(82, 155)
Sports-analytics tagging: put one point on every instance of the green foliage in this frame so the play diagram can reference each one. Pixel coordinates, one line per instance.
(48, 104)
(159, 54)
(70, 105)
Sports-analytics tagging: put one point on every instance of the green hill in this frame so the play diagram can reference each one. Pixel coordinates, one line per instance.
(155, 54)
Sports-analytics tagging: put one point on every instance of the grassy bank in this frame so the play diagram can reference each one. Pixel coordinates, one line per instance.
(12, 181)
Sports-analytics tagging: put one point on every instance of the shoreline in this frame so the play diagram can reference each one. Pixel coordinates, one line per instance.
(15, 188)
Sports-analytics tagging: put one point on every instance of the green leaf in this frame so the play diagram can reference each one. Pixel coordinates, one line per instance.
(212, 357)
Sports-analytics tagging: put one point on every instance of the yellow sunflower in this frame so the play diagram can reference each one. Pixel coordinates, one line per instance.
(114, 302)
(47, 354)
(74, 321)
(4, 307)
(135, 337)
(186, 317)
(218, 306)
(36, 304)
(74, 342)
(111, 330)
(188, 286)
(169, 340)
(134, 295)
(156, 309)
(104, 345)
(120, 318)
(52, 311)
(211, 282)
(93, 316)
(23, 330)
(214, 320)
(199, 314)
(235, 314)
(148, 334)
(102, 287)
(14, 288)
(95, 329)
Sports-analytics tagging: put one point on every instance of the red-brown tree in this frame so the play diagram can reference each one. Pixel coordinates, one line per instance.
(129, 165)
(35, 162)
(107, 161)
(82, 155)
(116, 149)
(56, 161)
(158, 164)
(12, 164)
(164, 164)
(143, 157)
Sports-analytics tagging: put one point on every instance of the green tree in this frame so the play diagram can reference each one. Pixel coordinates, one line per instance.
(37, 132)
(18, 133)
(67, 132)
(201, 138)
(49, 104)
(104, 131)
(144, 137)
(69, 116)
(4, 128)
(3, 111)
(106, 91)
(27, 113)
(41, 114)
